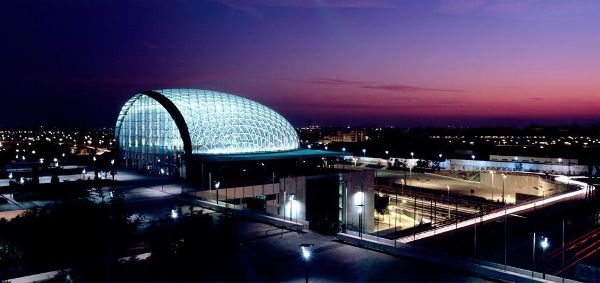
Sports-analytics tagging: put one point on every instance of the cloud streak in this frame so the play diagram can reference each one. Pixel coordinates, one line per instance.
(253, 6)
(385, 87)
(515, 7)
(407, 88)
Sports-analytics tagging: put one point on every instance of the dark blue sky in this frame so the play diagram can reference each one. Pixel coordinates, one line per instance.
(384, 62)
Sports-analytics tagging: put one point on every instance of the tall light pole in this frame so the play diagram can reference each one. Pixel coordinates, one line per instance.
(306, 255)
(401, 193)
(560, 162)
(505, 223)
(412, 156)
(360, 208)
(291, 202)
(544, 244)
(217, 185)
(364, 151)
(492, 173)
(503, 192)
(422, 187)
(112, 172)
(533, 256)
(448, 188)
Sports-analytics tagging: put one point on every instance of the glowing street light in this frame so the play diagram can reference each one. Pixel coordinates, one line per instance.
(544, 244)
(306, 255)
(343, 149)
(364, 151)
(291, 203)
(174, 214)
(217, 184)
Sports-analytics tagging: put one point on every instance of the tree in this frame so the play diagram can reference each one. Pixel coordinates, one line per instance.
(382, 203)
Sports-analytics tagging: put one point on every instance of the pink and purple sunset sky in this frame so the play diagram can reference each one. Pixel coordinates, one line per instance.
(336, 62)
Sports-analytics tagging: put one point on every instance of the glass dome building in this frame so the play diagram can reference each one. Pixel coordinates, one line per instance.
(156, 130)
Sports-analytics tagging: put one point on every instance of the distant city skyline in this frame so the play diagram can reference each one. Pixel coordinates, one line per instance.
(334, 62)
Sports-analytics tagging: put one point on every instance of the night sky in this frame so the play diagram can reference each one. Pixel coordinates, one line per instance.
(336, 62)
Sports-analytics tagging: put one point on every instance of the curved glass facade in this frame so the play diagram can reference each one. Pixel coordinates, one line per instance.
(149, 137)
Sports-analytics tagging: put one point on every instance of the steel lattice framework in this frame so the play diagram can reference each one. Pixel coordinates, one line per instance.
(201, 122)
(155, 128)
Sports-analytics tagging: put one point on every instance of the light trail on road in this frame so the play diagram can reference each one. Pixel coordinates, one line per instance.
(495, 215)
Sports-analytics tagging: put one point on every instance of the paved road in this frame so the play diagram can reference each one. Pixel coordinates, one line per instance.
(277, 258)
(135, 186)
(440, 183)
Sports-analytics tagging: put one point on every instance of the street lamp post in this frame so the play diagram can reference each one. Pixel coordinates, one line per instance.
(492, 173)
(396, 218)
(112, 172)
(448, 188)
(412, 156)
(217, 185)
(291, 202)
(364, 151)
(503, 192)
(306, 255)
(422, 188)
(544, 244)
(533, 256)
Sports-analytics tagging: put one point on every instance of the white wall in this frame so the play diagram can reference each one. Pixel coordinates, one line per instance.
(480, 165)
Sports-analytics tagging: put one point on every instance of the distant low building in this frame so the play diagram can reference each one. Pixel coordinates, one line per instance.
(349, 136)
(533, 159)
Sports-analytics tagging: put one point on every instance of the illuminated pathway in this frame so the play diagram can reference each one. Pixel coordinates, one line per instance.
(503, 212)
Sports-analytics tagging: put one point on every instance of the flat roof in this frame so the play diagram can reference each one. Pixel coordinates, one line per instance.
(292, 154)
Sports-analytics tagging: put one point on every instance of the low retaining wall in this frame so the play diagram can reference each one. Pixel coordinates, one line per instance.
(299, 225)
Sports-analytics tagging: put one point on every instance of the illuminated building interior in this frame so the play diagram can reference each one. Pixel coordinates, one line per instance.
(156, 130)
